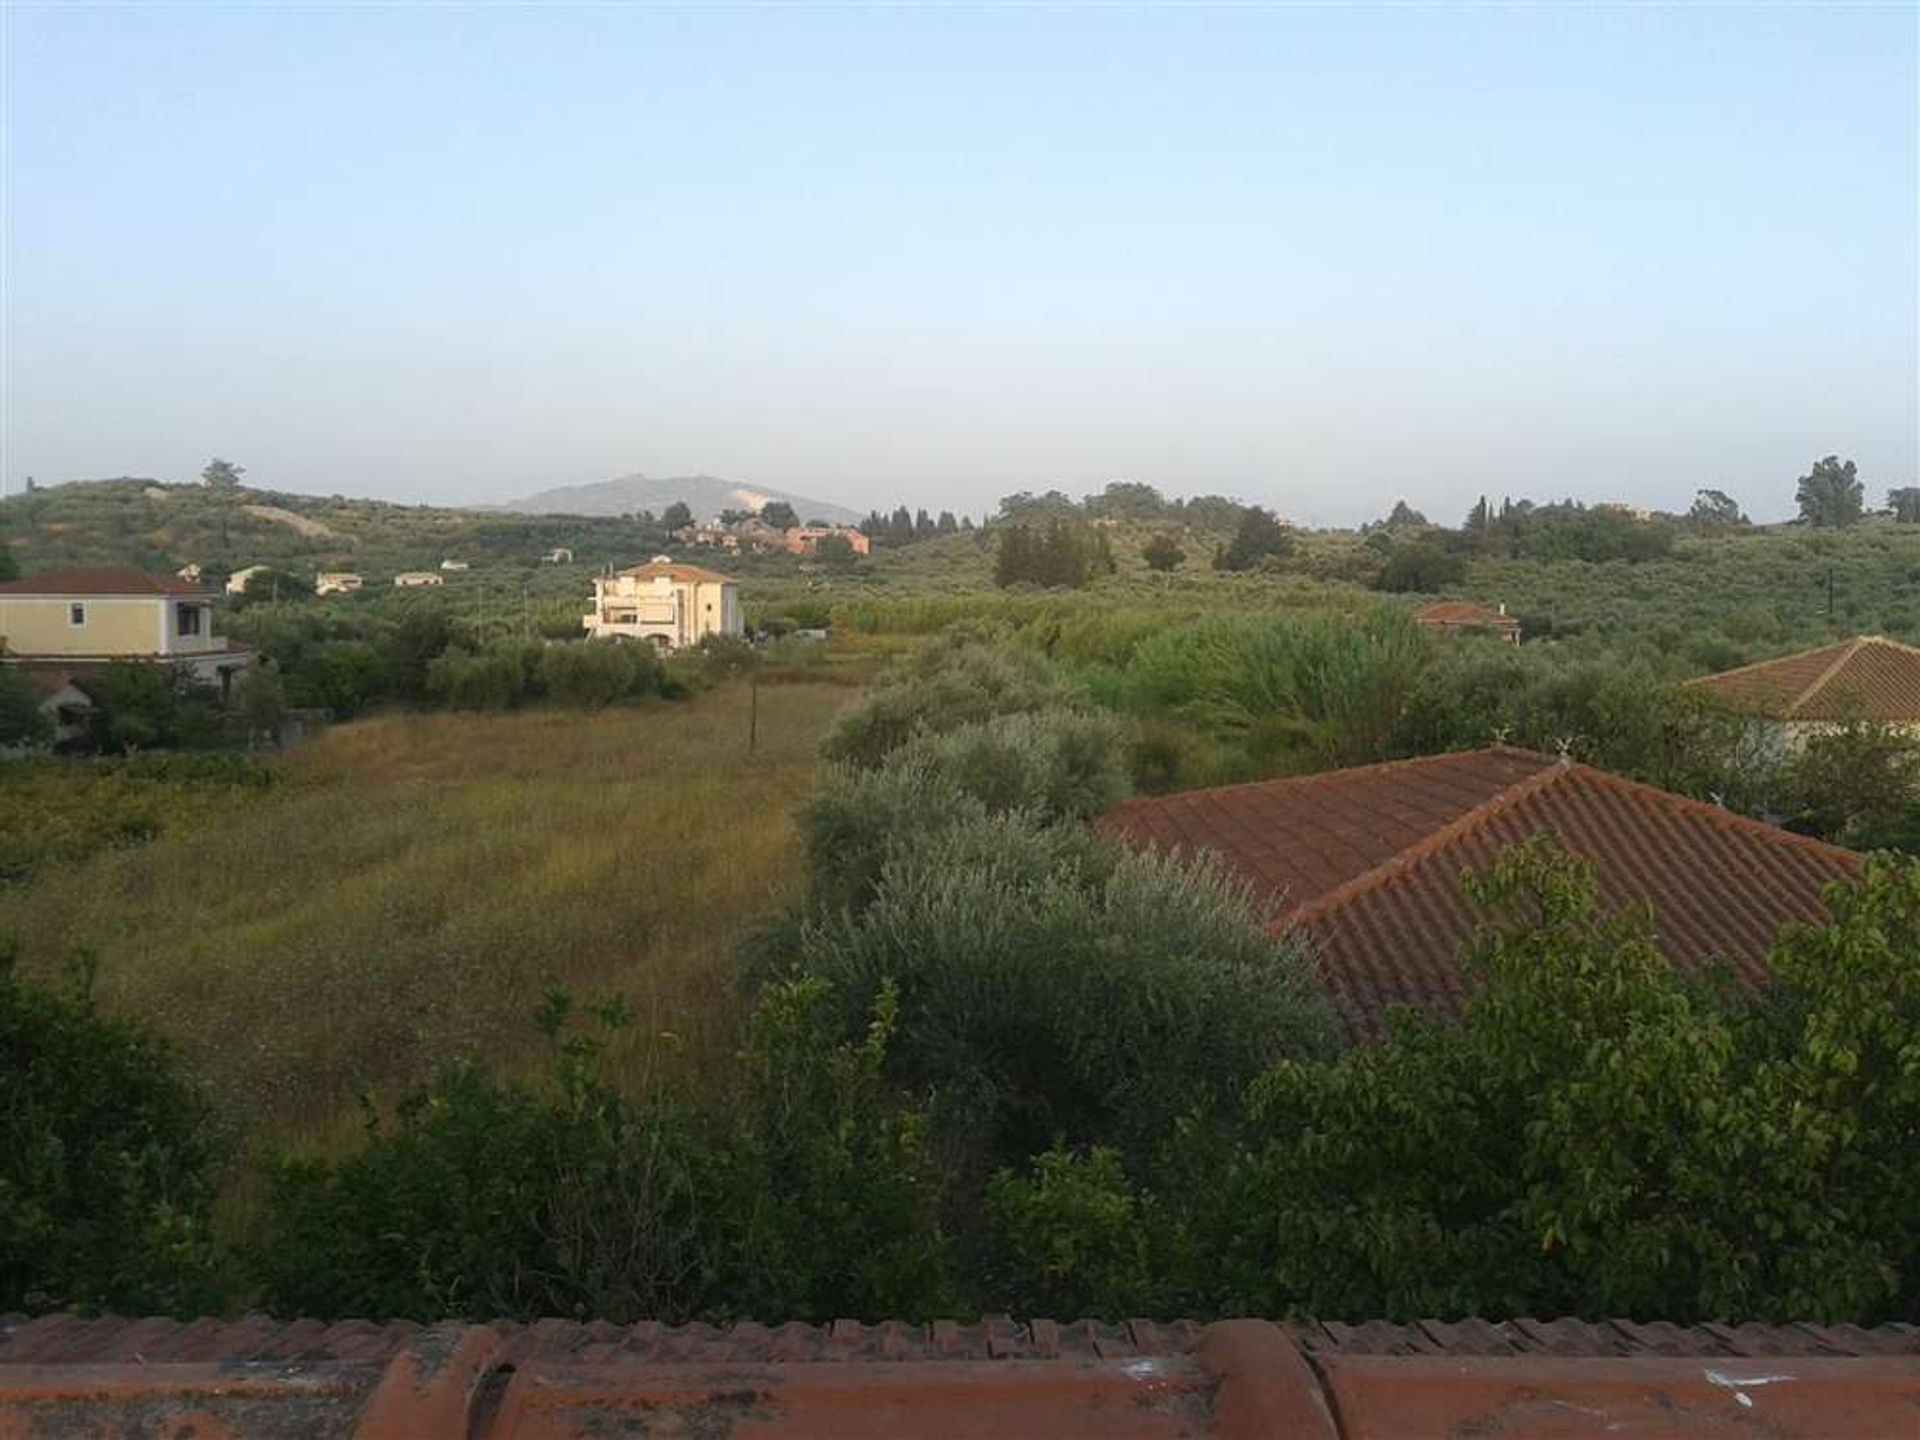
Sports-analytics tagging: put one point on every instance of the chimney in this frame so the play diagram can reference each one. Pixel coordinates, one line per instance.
(1503, 607)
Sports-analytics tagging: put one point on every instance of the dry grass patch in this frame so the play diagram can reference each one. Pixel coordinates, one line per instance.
(410, 891)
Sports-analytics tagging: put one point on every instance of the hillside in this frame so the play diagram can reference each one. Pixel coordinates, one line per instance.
(159, 527)
(705, 495)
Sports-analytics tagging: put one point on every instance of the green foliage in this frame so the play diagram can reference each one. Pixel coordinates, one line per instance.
(948, 685)
(591, 674)
(106, 1161)
(1856, 785)
(342, 677)
(1260, 540)
(275, 586)
(1057, 553)
(1830, 495)
(1420, 566)
(59, 812)
(1163, 553)
(1715, 510)
(1051, 985)
(494, 679)
(1597, 1136)
(1903, 501)
(779, 514)
(141, 705)
(1071, 1238)
(804, 1192)
(21, 719)
(1318, 690)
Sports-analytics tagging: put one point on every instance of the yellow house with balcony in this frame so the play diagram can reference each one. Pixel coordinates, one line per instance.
(670, 604)
(75, 619)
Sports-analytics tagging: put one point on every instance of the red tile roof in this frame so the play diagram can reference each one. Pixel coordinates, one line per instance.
(1368, 862)
(675, 570)
(100, 580)
(266, 1380)
(1451, 613)
(1868, 677)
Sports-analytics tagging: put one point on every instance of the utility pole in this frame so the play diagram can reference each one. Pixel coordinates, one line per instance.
(1829, 597)
(753, 710)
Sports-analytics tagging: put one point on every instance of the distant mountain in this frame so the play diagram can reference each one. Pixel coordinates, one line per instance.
(706, 495)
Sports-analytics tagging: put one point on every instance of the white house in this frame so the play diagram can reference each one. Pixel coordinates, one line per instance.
(672, 605)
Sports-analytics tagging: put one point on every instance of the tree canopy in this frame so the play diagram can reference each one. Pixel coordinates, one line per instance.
(1831, 495)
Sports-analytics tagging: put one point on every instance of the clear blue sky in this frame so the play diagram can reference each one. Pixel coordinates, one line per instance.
(1318, 258)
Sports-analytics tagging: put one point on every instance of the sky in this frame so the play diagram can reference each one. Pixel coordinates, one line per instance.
(1318, 258)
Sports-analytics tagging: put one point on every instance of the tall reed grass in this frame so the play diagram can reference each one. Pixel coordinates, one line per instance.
(415, 884)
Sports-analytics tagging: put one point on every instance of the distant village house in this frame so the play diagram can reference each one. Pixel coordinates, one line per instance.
(337, 582)
(559, 555)
(409, 579)
(671, 604)
(454, 566)
(237, 581)
(1457, 617)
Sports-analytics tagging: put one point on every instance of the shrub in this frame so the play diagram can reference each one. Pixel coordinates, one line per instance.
(947, 686)
(590, 674)
(21, 720)
(106, 1161)
(1050, 985)
(1324, 690)
(139, 705)
(1069, 1236)
(805, 1191)
(1058, 764)
(487, 680)
(1597, 1136)
(342, 677)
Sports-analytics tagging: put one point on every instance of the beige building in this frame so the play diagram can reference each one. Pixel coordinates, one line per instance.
(411, 579)
(337, 582)
(670, 604)
(92, 616)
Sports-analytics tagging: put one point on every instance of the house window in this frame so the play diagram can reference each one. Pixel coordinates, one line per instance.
(76, 614)
(189, 619)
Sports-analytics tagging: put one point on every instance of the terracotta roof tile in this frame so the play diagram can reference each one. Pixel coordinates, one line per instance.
(675, 570)
(1464, 613)
(1382, 900)
(101, 580)
(1240, 1378)
(1869, 677)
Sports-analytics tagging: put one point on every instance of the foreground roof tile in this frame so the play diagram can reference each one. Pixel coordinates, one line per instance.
(557, 1380)
(1368, 864)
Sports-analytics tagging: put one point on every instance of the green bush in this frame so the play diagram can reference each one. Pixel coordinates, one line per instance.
(342, 677)
(1596, 1135)
(106, 1161)
(139, 705)
(805, 1191)
(21, 720)
(1051, 985)
(1058, 764)
(945, 687)
(589, 674)
(493, 679)
(1318, 690)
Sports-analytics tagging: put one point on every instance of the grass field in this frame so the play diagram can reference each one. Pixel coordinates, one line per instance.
(416, 882)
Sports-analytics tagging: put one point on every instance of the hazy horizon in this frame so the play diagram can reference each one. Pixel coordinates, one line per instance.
(1316, 259)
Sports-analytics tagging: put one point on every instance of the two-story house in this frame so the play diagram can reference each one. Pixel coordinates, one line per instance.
(671, 604)
(76, 619)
